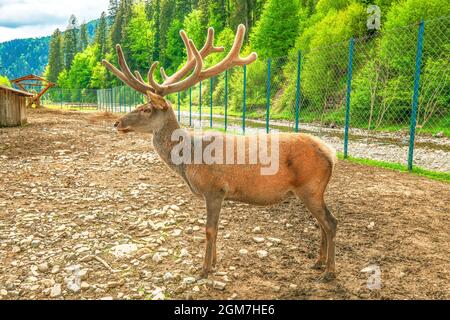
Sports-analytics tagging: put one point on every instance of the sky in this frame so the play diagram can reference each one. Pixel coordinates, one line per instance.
(37, 18)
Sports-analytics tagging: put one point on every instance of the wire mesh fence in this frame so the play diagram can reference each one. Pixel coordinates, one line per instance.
(384, 96)
(79, 99)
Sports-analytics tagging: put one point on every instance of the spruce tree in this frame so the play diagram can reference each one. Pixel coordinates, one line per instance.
(156, 14)
(203, 6)
(101, 36)
(182, 9)
(55, 59)
(70, 42)
(167, 11)
(84, 37)
(118, 24)
(112, 9)
(217, 15)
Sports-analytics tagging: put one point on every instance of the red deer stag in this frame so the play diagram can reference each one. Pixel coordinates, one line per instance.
(305, 163)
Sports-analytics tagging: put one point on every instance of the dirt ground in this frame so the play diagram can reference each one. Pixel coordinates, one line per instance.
(86, 213)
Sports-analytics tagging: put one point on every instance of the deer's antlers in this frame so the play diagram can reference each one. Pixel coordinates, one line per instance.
(178, 81)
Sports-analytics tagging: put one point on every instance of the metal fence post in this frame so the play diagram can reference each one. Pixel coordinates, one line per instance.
(211, 102)
(244, 99)
(297, 90)
(269, 62)
(415, 103)
(179, 107)
(190, 107)
(113, 106)
(349, 90)
(200, 102)
(226, 100)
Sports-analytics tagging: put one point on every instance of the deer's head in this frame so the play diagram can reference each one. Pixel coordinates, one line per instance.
(153, 115)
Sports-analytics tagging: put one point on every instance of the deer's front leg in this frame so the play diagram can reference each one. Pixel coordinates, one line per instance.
(213, 206)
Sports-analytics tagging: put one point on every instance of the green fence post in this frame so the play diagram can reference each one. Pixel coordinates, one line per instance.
(269, 62)
(200, 102)
(349, 90)
(61, 97)
(190, 107)
(179, 107)
(297, 90)
(211, 102)
(415, 103)
(121, 98)
(226, 100)
(113, 100)
(244, 102)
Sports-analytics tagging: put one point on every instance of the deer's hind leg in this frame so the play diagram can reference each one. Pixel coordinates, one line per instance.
(315, 203)
(322, 260)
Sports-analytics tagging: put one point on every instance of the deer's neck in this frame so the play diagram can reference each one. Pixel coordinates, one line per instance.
(163, 144)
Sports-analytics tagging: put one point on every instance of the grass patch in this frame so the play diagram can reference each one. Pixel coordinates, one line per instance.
(440, 176)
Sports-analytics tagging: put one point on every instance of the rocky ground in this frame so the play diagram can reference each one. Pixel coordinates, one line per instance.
(86, 213)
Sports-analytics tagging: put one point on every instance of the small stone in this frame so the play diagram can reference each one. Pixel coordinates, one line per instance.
(113, 284)
(55, 269)
(274, 240)
(243, 252)
(16, 249)
(189, 280)
(276, 288)
(175, 207)
(262, 254)
(157, 257)
(124, 250)
(176, 232)
(83, 274)
(158, 294)
(43, 267)
(184, 253)
(73, 287)
(371, 225)
(258, 239)
(168, 276)
(35, 243)
(107, 298)
(219, 285)
(257, 230)
(293, 286)
(56, 291)
(3, 293)
(85, 285)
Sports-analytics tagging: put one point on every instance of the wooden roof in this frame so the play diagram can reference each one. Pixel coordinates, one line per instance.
(31, 77)
(19, 92)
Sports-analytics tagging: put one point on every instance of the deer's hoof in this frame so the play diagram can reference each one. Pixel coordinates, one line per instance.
(319, 265)
(204, 274)
(327, 276)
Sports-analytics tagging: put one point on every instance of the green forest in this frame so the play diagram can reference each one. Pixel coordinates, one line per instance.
(280, 31)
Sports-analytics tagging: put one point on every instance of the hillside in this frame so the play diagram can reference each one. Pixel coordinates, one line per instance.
(23, 56)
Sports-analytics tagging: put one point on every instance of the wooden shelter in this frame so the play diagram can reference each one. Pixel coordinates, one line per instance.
(13, 106)
(32, 80)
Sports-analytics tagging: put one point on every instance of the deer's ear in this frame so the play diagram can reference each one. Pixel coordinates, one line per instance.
(157, 101)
